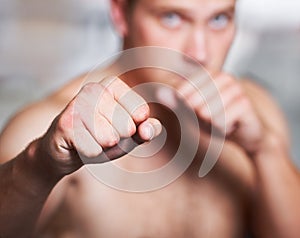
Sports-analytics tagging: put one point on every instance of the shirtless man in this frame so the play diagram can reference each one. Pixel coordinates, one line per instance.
(253, 188)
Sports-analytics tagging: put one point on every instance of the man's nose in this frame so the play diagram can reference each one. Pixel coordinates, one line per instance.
(196, 47)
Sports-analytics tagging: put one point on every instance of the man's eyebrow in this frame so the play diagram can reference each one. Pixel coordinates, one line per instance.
(229, 9)
(190, 12)
(172, 8)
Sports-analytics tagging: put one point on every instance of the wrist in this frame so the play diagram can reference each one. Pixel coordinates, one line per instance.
(271, 145)
(38, 164)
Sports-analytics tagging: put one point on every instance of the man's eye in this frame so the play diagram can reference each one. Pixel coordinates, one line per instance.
(219, 22)
(171, 20)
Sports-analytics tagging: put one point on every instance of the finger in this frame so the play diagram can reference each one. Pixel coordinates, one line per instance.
(241, 121)
(149, 129)
(104, 133)
(116, 115)
(233, 114)
(84, 143)
(216, 105)
(146, 131)
(132, 102)
(86, 111)
(208, 91)
(193, 83)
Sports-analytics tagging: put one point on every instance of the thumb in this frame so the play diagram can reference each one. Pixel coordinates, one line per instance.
(148, 130)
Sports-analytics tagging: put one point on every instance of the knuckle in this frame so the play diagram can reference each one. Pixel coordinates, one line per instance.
(105, 134)
(89, 95)
(104, 100)
(115, 86)
(141, 113)
(204, 112)
(91, 87)
(93, 153)
(131, 128)
(128, 129)
(66, 119)
(109, 81)
(245, 102)
(228, 77)
(238, 88)
(109, 140)
(273, 141)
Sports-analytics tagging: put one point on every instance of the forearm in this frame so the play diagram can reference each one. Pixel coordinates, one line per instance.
(25, 183)
(276, 210)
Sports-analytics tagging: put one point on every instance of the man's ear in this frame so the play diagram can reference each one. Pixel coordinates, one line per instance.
(119, 16)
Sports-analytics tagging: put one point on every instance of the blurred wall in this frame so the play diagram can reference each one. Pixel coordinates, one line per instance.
(44, 44)
(267, 49)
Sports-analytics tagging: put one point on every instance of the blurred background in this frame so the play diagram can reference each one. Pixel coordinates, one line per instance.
(44, 44)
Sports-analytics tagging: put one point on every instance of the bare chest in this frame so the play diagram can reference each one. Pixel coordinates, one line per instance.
(179, 210)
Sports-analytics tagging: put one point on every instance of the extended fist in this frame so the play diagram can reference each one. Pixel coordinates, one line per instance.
(93, 125)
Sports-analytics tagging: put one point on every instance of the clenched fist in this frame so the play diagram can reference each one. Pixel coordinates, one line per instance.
(104, 121)
(223, 103)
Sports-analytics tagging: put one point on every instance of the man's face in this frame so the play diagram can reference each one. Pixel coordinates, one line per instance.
(201, 29)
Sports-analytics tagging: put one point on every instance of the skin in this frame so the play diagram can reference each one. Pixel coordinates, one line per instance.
(253, 186)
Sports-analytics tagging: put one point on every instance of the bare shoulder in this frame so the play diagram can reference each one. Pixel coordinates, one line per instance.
(267, 109)
(33, 121)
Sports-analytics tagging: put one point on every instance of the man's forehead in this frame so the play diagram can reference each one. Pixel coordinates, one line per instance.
(207, 6)
(188, 2)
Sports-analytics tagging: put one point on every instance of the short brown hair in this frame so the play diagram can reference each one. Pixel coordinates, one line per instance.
(130, 4)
